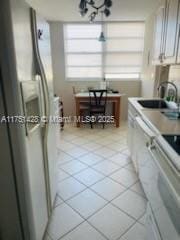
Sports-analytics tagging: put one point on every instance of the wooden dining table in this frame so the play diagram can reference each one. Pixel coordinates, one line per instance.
(114, 98)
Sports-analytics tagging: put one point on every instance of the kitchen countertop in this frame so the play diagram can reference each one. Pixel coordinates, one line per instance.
(157, 120)
(161, 125)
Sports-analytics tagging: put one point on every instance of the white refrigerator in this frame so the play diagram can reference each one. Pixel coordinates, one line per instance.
(29, 36)
(41, 139)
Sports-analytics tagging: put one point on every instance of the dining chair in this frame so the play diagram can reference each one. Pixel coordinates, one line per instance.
(97, 104)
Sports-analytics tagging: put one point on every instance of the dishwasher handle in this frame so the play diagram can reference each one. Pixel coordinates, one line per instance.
(143, 126)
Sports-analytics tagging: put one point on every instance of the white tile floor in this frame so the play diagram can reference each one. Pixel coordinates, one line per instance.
(99, 195)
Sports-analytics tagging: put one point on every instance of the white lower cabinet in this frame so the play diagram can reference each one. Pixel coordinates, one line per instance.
(132, 141)
(131, 137)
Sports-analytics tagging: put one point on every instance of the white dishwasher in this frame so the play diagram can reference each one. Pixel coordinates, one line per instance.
(161, 182)
(163, 194)
(143, 137)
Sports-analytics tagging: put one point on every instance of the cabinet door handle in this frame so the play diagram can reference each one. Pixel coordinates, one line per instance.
(163, 56)
(160, 57)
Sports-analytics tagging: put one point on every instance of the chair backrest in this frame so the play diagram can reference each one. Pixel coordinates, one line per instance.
(98, 97)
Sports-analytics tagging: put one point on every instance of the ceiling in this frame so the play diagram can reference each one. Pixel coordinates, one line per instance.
(67, 10)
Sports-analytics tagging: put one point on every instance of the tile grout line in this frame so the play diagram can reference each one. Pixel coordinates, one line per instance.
(70, 231)
(86, 219)
(119, 238)
(137, 221)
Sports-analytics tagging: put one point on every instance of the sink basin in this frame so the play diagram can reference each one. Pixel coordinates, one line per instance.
(174, 142)
(154, 103)
(173, 115)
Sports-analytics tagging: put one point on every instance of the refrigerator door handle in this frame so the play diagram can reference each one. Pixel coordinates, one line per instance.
(38, 63)
(40, 71)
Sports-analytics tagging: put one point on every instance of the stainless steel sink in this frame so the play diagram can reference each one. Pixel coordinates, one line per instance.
(173, 115)
(174, 142)
(153, 103)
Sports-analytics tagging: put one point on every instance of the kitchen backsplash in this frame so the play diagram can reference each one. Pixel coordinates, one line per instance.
(174, 76)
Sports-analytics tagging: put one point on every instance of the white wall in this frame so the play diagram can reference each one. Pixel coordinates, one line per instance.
(64, 88)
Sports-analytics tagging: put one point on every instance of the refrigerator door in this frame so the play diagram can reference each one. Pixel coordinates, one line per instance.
(42, 52)
(37, 195)
(31, 98)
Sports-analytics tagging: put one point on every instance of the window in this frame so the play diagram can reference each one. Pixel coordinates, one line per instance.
(120, 57)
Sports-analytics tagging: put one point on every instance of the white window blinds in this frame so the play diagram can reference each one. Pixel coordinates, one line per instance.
(120, 57)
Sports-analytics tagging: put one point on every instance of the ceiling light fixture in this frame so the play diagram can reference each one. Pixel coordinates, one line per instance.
(83, 8)
(102, 37)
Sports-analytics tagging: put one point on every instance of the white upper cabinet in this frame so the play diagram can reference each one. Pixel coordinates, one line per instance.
(178, 39)
(158, 34)
(166, 32)
(171, 35)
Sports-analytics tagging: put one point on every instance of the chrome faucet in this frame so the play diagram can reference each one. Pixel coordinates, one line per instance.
(164, 84)
(176, 97)
(178, 105)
